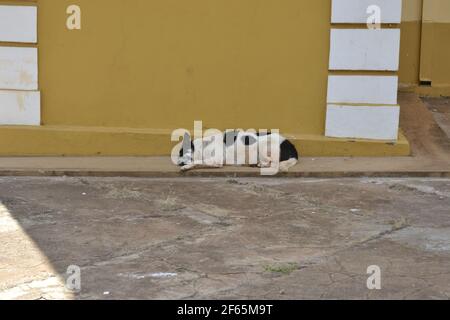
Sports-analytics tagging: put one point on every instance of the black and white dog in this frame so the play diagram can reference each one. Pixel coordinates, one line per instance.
(238, 148)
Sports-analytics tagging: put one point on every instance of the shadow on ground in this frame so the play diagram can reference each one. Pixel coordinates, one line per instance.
(224, 238)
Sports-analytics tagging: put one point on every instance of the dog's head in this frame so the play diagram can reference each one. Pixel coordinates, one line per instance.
(186, 155)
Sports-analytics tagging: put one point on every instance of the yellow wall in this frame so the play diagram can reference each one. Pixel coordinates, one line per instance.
(426, 46)
(140, 68)
(164, 64)
(410, 43)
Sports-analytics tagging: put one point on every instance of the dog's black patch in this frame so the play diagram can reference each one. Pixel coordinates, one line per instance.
(188, 146)
(263, 133)
(287, 151)
(186, 149)
(230, 137)
(248, 140)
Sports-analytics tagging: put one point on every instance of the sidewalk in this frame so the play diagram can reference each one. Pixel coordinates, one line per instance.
(162, 167)
(430, 147)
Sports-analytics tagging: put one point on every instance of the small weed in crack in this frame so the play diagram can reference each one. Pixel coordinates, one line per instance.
(284, 269)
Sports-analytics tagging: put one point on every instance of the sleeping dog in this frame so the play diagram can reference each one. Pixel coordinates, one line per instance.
(238, 148)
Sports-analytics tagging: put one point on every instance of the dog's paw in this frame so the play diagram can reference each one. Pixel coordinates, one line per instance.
(264, 165)
(186, 168)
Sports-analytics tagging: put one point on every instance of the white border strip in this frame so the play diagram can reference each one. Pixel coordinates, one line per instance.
(363, 122)
(362, 89)
(18, 24)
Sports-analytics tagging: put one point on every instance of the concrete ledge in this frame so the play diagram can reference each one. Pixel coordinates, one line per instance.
(100, 141)
(429, 144)
(159, 167)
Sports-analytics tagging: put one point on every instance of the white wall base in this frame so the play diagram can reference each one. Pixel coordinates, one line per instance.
(18, 68)
(363, 122)
(18, 24)
(362, 89)
(364, 49)
(20, 108)
(355, 11)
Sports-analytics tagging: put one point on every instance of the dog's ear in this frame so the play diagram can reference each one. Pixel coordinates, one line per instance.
(187, 142)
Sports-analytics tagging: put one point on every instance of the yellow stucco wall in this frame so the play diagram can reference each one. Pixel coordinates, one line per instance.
(164, 64)
(410, 43)
(141, 68)
(425, 46)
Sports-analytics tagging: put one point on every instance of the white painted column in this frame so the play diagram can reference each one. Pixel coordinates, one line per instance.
(19, 95)
(361, 105)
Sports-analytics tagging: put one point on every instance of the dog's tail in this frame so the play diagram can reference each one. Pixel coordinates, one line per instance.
(286, 165)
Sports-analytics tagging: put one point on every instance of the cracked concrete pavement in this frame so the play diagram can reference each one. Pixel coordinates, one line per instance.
(201, 238)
